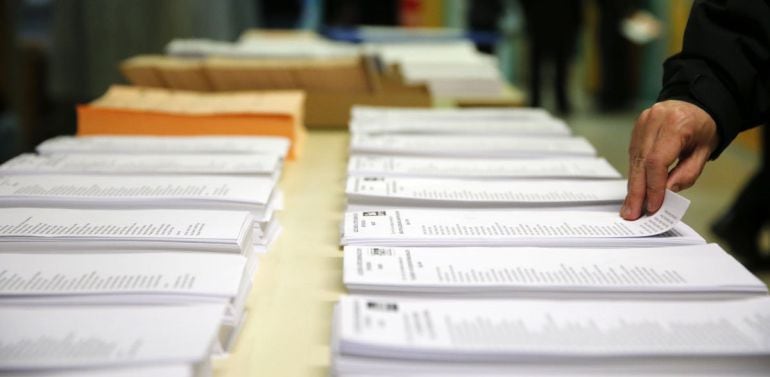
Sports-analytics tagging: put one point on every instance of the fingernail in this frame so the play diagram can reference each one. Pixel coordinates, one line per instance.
(624, 210)
(675, 188)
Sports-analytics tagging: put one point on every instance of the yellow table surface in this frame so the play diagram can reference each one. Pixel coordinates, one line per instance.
(289, 317)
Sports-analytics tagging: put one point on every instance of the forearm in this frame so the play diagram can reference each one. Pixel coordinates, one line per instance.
(724, 66)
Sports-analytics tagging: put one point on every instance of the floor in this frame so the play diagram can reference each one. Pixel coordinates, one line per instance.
(711, 195)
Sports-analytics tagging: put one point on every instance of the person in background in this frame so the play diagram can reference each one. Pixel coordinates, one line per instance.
(716, 87)
(552, 31)
(616, 61)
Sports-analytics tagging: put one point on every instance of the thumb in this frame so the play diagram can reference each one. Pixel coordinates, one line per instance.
(687, 170)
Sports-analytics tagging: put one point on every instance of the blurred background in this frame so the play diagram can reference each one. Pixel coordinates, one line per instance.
(597, 63)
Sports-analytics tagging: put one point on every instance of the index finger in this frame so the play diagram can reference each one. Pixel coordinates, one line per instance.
(642, 138)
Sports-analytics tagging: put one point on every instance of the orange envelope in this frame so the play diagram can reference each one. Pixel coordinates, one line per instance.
(130, 110)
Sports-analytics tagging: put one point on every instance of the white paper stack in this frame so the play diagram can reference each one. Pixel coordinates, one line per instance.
(258, 195)
(472, 146)
(478, 168)
(467, 193)
(391, 336)
(516, 122)
(112, 277)
(166, 145)
(54, 229)
(266, 165)
(538, 127)
(556, 228)
(479, 114)
(451, 68)
(96, 340)
(489, 243)
(680, 272)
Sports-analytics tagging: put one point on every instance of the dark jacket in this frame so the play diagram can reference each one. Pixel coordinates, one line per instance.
(724, 65)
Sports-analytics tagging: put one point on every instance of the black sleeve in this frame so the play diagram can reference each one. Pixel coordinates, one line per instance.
(724, 65)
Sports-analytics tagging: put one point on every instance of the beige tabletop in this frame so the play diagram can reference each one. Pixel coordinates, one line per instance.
(288, 323)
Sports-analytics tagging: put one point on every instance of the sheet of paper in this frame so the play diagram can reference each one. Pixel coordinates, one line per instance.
(473, 272)
(99, 336)
(170, 370)
(536, 127)
(165, 164)
(410, 227)
(515, 330)
(212, 230)
(552, 168)
(482, 193)
(270, 145)
(19, 190)
(472, 146)
(361, 112)
(160, 273)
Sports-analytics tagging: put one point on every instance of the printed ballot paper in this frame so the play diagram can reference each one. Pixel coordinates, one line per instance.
(680, 272)
(57, 229)
(257, 195)
(267, 165)
(166, 145)
(374, 113)
(390, 336)
(477, 168)
(530, 127)
(418, 227)
(42, 338)
(466, 193)
(112, 277)
(472, 146)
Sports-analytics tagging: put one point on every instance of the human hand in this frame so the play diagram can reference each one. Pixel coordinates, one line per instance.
(666, 132)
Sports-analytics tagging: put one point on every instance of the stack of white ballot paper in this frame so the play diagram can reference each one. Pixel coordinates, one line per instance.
(478, 168)
(97, 340)
(467, 193)
(557, 228)
(392, 114)
(258, 195)
(114, 277)
(472, 146)
(267, 165)
(392, 336)
(56, 229)
(699, 271)
(166, 145)
(488, 242)
(545, 127)
(372, 120)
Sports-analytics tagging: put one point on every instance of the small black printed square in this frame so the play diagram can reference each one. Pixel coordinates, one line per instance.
(377, 251)
(383, 306)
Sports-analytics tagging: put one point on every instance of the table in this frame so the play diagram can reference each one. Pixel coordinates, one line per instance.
(288, 324)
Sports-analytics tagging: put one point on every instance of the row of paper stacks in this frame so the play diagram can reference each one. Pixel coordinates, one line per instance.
(135, 255)
(336, 75)
(487, 242)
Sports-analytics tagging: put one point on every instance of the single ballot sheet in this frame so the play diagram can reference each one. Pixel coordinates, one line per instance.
(472, 146)
(166, 145)
(41, 337)
(468, 227)
(20, 190)
(697, 271)
(480, 168)
(54, 229)
(482, 193)
(508, 331)
(137, 164)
